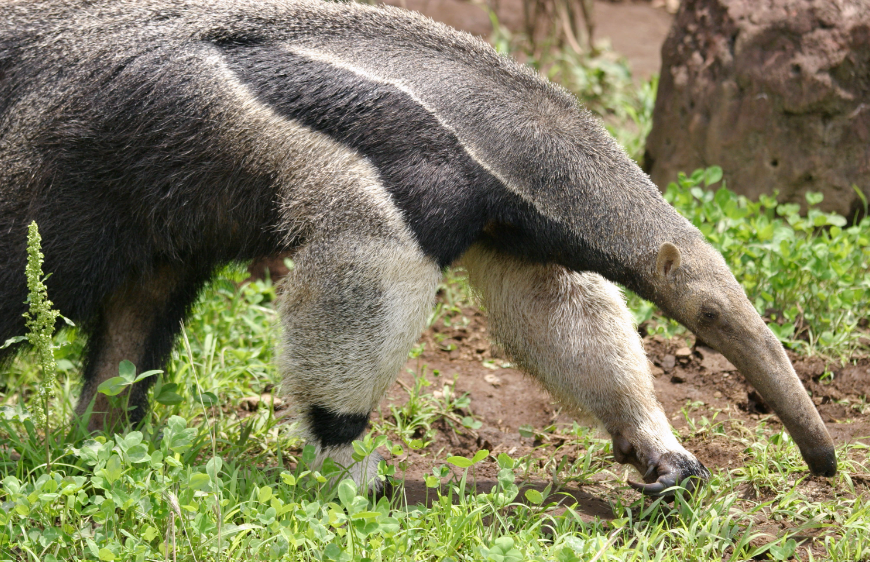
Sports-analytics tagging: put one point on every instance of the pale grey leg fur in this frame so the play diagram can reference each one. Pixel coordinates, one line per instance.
(352, 309)
(574, 333)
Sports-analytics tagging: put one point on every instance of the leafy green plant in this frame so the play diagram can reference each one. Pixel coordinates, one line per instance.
(126, 378)
(413, 420)
(40, 321)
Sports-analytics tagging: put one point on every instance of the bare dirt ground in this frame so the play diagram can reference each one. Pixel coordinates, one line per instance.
(687, 376)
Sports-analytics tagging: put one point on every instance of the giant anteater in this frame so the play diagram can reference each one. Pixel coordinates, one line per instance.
(155, 140)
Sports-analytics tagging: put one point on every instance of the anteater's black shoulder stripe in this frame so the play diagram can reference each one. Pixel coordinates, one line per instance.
(445, 195)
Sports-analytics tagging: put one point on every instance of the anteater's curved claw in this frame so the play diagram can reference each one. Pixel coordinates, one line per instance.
(661, 471)
(655, 489)
(671, 470)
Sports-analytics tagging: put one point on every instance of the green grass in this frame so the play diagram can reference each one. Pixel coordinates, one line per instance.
(141, 495)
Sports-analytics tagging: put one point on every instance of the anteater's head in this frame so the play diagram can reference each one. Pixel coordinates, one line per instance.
(694, 286)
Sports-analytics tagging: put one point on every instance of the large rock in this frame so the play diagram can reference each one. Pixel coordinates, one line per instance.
(777, 92)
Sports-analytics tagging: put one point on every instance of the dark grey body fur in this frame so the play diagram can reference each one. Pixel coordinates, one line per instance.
(155, 141)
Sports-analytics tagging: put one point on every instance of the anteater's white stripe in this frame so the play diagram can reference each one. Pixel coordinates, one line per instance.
(331, 59)
(304, 155)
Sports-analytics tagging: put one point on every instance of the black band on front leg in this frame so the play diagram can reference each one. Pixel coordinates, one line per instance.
(331, 428)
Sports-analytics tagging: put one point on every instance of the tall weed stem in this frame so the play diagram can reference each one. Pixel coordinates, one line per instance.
(40, 325)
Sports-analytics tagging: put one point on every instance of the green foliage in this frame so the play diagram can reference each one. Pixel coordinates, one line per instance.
(143, 497)
(413, 420)
(809, 276)
(115, 387)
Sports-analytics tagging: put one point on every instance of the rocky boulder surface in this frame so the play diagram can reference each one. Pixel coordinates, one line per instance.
(777, 92)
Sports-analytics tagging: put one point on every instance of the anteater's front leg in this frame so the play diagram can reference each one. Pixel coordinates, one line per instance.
(573, 332)
(352, 309)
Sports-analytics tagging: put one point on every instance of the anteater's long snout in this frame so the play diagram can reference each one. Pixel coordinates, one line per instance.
(764, 363)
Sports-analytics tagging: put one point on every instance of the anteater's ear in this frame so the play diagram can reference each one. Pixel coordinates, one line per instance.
(668, 259)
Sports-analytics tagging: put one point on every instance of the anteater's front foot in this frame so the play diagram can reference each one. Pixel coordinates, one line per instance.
(364, 473)
(661, 471)
(672, 469)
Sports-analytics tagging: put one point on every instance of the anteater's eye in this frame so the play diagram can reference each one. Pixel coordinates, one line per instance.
(710, 315)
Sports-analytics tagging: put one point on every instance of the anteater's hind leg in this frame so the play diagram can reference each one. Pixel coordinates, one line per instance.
(352, 309)
(139, 323)
(573, 332)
